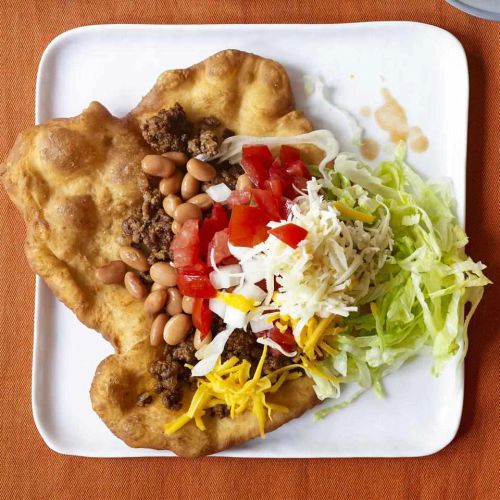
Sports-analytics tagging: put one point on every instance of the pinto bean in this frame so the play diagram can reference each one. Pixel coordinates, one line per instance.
(177, 329)
(134, 258)
(135, 286)
(201, 170)
(158, 166)
(111, 273)
(164, 274)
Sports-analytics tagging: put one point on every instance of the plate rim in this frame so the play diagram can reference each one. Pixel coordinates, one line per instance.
(475, 11)
(53, 46)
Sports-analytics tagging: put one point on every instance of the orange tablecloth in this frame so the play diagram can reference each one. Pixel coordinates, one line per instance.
(467, 468)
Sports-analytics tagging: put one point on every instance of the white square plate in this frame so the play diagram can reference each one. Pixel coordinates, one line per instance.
(423, 66)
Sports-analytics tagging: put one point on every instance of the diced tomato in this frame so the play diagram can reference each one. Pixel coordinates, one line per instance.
(186, 245)
(255, 170)
(247, 226)
(276, 171)
(289, 154)
(216, 221)
(262, 284)
(291, 234)
(256, 161)
(260, 151)
(285, 208)
(298, 183)
(202, 317)
(298, 168)
(193, 281)
(275, 186)
(267, 203)
(219, 246)
(239, 197)
(286, 339)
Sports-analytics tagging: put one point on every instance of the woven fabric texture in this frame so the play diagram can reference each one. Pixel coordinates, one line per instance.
(468, 468)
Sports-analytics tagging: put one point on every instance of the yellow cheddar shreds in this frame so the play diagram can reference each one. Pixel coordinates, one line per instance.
(229, 383)
(353, 213)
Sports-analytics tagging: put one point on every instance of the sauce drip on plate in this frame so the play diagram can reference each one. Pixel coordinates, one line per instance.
(369, 148)
(417, 140)
(391, 117)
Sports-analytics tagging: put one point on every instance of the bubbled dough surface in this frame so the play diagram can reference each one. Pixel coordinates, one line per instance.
(74, 180)
(251, 95)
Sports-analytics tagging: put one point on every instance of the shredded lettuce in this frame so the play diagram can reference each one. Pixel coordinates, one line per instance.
(417, 298)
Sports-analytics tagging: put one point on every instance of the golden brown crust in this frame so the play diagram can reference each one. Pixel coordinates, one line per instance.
(120, 378)
(74, 180)
(249, 94)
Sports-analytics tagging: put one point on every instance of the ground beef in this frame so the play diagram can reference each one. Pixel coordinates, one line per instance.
(226, 173)
(273, 363)
(244, 345)
(184, 352)
(217, 325)
(172, 398)
(171, 374)
(206, 143)
(169, 130)
(150, 227)
(172, 377)
(219, 411)
(144, 399)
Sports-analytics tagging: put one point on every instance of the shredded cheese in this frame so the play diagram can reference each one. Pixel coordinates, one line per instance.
(353, 213)
(230, 384)
(313, 339)
(314, 369)
(332, 269)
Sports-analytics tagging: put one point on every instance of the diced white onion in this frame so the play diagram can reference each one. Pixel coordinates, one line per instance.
(208, 354)
(235, 318)
(219, 193)
(251, 291)
(254, 270)
(275, 345)
(218, 307)
(260, 324)
(238, 252)
(226, 276)
(245, 253)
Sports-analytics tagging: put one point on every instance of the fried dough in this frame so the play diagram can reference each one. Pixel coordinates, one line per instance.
(75, 180)
(120, 378)
(249, 94)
